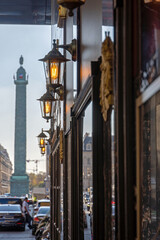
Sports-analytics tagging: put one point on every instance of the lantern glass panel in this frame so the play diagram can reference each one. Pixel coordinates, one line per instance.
(47, 107)
(43, 150)
(42, 142)
(42, 108)
(46, 71)
(54, 72)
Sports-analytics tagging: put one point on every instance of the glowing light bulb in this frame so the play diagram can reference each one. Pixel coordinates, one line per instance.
(47, 107)
(54, 71)
(43, 150)
(41, 141)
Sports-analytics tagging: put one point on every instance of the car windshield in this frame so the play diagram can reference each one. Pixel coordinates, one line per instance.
(10, 208)
(10, 201)
(40, 204)
(44, 210)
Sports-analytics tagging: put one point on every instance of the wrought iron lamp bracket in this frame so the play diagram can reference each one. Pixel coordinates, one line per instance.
(71, 48)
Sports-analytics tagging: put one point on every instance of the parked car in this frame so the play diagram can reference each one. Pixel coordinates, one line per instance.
(42, 212)
(41, 203)
(10, 200)
(11, 216)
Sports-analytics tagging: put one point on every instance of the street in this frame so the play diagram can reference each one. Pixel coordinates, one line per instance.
(87, 230)
(16, 235)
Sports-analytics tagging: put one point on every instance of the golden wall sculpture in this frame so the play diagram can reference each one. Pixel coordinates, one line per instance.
(106, 85)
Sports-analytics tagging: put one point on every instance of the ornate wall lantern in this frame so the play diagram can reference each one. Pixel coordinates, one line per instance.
(41, 139)
(71, 4)
(52, 65)
(43, 150)
(47, 105)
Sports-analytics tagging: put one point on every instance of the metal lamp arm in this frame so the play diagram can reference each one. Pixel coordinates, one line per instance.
(71, 48)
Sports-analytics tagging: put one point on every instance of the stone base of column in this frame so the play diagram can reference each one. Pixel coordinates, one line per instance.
(19, 185)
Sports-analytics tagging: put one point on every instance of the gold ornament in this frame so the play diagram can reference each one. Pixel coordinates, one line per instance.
(106, 86)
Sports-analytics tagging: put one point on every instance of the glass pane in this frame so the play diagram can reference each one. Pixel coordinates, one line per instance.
(87, 174)
(150, 168)
(150, 42)
(107, 19)
(113, 202)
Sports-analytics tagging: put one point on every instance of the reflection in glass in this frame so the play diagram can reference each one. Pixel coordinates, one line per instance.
(113, 202)
(150, 43)
(107, 19)
(87, 174)
(150, 165)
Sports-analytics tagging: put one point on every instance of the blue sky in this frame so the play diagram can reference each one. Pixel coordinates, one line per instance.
(33, 42)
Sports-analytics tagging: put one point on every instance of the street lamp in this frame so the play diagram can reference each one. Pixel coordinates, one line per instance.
(41, 139)
(47, 105)
(43, 150)
(52, 65)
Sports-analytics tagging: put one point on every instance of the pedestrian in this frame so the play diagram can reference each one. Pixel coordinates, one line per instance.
(25, 209)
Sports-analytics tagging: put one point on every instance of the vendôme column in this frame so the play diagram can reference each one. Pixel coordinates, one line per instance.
(20, 180)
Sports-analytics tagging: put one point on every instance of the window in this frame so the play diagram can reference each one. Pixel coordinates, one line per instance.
(88, 146)
(148, 161)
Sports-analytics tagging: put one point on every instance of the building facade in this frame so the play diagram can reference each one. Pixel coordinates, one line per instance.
(87, 163)
(5, 171)
(114, 83)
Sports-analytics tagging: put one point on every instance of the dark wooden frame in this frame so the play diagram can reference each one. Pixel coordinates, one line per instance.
(125, 118)
(80, 105)
(87, 94)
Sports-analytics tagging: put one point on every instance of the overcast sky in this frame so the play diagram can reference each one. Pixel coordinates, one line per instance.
(33, 42)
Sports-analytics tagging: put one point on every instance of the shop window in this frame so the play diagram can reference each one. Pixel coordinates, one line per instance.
(148, 164)
(150, 43)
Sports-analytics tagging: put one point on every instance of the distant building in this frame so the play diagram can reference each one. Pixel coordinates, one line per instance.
(39, 192)
(5, 171)
(87, 162)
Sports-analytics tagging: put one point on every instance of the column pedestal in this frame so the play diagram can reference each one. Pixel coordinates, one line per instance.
(19, 185)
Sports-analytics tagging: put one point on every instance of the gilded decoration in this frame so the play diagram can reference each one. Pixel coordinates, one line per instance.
(106, 85)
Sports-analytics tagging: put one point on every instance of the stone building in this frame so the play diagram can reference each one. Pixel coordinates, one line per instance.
(5, 171)
(87, 162)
